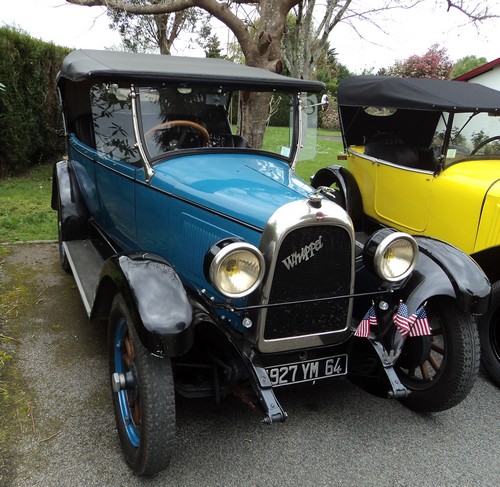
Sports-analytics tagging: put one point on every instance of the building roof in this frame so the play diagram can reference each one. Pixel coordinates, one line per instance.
(480, 70)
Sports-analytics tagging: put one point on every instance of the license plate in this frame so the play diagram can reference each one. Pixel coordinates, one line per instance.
(307, 371)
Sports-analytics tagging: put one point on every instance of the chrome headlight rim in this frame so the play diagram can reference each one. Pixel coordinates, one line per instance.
(382, 248)
(220, 253)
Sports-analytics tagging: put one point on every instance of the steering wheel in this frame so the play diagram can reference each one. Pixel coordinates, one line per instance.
(483, 143)
(181, 123)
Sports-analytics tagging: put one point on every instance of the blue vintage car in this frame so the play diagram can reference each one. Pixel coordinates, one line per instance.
(218, 271)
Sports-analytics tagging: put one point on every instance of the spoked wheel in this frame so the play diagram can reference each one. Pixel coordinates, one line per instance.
(441, 369)
(489, 334)
(143, 395)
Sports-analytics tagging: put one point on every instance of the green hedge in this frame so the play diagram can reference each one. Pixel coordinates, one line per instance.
(29, 108)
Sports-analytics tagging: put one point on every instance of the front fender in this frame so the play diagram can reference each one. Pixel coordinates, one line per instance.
(445, 270)
(345, 181)
(155, 297)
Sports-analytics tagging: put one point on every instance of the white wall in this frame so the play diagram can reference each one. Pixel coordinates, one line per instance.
(489, 125)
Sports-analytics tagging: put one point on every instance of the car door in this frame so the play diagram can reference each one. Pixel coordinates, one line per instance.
(116, 162)
(401, 196)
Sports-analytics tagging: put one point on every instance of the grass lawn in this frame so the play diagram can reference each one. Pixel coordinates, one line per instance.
(326, 154)
(327, 148)
(25, 213)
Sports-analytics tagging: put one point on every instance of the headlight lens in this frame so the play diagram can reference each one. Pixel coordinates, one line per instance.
(236, 269)
(393, 255)
(396, 256)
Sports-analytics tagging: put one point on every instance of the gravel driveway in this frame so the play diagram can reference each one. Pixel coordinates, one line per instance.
(61, 429)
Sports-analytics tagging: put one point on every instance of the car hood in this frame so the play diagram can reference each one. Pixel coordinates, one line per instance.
(246, 187)
(479, 179)
(481, 175)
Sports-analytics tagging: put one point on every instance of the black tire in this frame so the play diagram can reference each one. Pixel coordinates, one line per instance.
(62, 254)
(144, 407)
(489, 335)
(440, 370)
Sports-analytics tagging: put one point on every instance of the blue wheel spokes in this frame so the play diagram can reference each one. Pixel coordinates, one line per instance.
(131, 428)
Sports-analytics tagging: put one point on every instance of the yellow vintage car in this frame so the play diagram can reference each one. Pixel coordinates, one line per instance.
(423, 156)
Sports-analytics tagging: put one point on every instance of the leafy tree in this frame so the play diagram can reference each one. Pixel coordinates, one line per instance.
(330, 70)
(258, 26)
(210, 42)
(153, 32)
(435, 63)
(306, 39)
(466, 64)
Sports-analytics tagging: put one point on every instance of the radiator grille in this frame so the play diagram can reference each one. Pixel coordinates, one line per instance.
(313, 262)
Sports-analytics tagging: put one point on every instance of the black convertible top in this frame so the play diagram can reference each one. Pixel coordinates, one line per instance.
(82, 65)
(417, 94)
(419, 103)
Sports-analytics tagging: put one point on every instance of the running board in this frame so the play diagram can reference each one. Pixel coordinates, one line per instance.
(85, 262)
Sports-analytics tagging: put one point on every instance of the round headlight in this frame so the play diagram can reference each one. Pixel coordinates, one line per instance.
(396, 256)
(236, 269)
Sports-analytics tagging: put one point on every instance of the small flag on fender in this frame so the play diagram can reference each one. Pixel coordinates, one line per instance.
(420, 326)
(401, 319)
(363, 329)
(415, 325)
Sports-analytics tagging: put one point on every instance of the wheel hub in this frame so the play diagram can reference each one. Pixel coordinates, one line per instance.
(120, 381)
(415, 352)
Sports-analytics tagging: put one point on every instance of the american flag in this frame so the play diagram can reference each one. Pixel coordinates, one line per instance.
(370, 319)
(420, 326)
(401, 319)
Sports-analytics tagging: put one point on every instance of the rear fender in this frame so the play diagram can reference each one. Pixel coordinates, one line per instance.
(155, 298)
(445, 270)
(66, 194)
(346, 183)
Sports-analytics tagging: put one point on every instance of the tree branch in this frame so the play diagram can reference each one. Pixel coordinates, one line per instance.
(474, 13)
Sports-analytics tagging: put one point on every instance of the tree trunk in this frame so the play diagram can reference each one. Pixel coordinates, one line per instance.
(253, 113)
(161, 30)
(263, 50)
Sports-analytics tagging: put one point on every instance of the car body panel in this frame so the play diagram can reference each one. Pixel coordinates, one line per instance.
(244, 187)
(488, 235)
(454, 191)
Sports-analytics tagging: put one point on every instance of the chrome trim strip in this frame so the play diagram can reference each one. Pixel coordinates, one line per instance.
(387, 163)
(148, 170)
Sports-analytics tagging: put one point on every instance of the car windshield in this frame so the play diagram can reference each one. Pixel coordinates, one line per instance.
(176, 118)
(472, 134)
